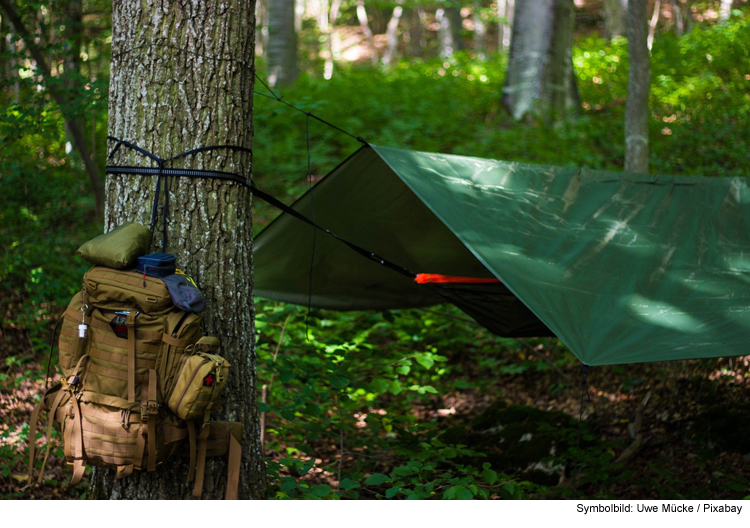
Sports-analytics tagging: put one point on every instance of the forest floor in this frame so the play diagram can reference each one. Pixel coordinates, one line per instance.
(695, 427)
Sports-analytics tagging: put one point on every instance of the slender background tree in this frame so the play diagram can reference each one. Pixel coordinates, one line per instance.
(540, 78)
(282, 43)
(639, 80)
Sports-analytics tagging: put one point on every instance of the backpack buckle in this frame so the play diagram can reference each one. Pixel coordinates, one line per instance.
(150, 408)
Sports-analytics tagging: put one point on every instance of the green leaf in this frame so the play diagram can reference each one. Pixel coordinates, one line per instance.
(449, 452)
(425, 361)
(403, 369)
(321, 490)
(428, 388)
(402, 471)
(349, 484)
(339, 382)
(380, 385)
(489, 476)
(458, 493)
(313, 409)
(395, 387)
(391, 492)
(376, 479)
(288, 484)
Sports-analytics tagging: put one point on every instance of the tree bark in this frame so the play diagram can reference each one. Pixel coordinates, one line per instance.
(678, 22)
(417, 40)
(725, 11)
(615, 18)
(364, 23)
(449, 31)
(445, 37)
(261, 29)
(391, 37)
(652, 25)
(10, 67)
(333, 40)
(480, 31)
(182, 78)
(639, 80)
(299, 13)
(540, 80)
(61, 98)
(456, 26)
(505, 12)
(282, 43)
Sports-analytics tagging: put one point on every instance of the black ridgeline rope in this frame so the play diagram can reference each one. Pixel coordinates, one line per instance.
(315, 231)
(308, 114)
(163, 171)
(270, 95)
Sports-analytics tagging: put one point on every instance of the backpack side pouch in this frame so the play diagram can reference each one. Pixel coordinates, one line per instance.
(199, 382)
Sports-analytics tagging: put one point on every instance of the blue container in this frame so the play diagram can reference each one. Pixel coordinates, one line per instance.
(157, 264)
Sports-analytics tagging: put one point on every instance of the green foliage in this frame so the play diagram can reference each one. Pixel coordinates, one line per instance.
(362, 391)
(698, 109)
(45, 213)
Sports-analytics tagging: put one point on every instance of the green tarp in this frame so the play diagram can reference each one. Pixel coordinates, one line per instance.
(622, 267)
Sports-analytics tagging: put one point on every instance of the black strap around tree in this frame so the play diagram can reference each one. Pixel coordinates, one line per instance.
(161, 171)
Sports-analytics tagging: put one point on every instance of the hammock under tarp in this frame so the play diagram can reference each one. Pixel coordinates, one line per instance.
(621, 267)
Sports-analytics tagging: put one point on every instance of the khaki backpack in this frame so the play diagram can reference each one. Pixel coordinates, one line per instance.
(139, 383)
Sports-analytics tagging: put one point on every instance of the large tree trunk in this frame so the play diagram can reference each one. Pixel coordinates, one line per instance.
(540, 80)
(181, 79)
(282, 43)
(639, 80)
(615, 18)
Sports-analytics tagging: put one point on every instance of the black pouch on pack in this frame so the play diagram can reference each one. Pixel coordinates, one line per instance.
(157, 264)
